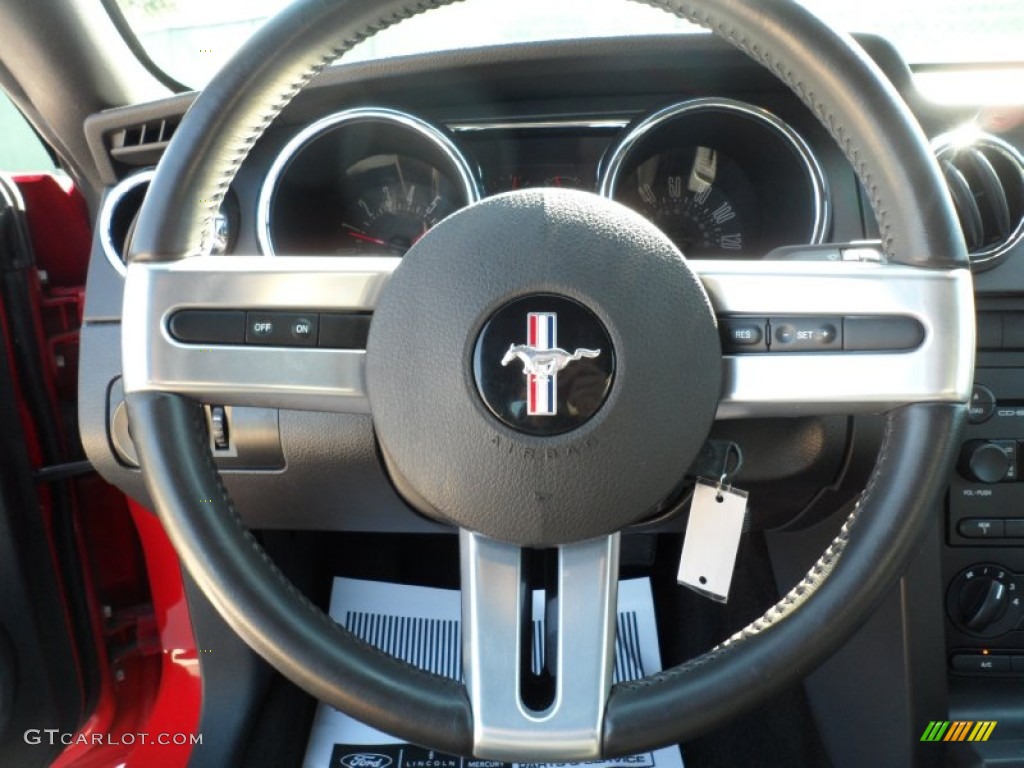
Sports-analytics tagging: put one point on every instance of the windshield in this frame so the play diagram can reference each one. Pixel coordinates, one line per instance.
(191, 39)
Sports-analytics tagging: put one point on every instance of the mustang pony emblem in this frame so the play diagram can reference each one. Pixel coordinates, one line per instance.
(542, 359)
(544, 362)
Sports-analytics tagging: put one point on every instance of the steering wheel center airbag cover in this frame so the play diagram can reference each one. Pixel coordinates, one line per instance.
(449, 454)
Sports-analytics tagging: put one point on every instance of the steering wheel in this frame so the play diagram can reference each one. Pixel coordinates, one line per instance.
(432, 380)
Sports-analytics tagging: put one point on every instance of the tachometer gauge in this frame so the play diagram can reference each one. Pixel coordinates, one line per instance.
(364, 181)
(720, 178)
(391, 202)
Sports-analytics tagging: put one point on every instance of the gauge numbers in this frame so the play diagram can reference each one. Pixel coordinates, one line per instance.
(721, 178)
(391, 202)
(692, 195)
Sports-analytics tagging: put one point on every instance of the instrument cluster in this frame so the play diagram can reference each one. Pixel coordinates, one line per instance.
(721, 178)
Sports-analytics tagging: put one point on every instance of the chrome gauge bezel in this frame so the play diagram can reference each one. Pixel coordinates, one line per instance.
(116, 197)
(462, 169)
(618, 163)
(110, 204)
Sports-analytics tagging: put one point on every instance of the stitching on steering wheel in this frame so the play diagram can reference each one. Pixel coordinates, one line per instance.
(826, 117)
(213, 202)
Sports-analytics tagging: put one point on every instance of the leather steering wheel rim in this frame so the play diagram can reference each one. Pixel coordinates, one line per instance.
(890, 155)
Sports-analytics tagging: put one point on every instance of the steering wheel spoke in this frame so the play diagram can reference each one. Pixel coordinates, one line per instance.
(803, 337)
(246, 295)
(580, 631)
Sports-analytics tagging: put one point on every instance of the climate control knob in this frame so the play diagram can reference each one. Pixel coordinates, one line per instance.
(985, 461)
(984, 601)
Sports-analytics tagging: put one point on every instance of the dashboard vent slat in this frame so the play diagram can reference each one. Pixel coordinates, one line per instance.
(985, 176)
(966, 205)
(991, 192)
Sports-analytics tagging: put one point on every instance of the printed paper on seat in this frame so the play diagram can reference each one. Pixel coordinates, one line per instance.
(422, 626)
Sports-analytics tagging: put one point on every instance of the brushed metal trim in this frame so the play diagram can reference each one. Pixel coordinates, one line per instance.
(301, 378)
(492, 607)
(940, 370)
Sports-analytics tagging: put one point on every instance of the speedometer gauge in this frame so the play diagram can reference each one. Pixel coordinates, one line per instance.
(720, 178)
(701, 199)
(364, 181)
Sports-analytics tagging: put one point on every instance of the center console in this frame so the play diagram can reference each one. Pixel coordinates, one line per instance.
(983, 557)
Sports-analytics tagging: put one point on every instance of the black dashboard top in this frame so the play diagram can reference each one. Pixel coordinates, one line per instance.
(553, 113)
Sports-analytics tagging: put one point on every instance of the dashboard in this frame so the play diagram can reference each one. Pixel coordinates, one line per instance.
(364, 162)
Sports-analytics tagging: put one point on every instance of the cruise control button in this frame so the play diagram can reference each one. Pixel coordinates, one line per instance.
(743, 335)
(303, 329)
(282, 329)
(264, 328)
(801, 334)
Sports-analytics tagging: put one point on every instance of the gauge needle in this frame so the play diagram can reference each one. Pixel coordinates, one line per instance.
(366, 238)
(421, 234)
(401, 176)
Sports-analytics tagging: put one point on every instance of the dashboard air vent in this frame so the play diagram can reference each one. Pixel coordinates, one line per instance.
(142, 142)
(986, 179)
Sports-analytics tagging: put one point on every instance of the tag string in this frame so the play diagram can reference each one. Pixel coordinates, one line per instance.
(731, 466)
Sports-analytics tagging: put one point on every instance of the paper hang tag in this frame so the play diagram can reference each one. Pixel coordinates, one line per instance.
(712, 539)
